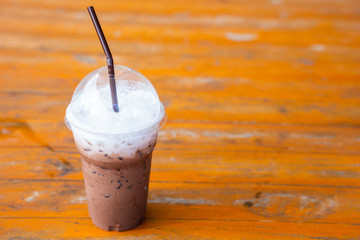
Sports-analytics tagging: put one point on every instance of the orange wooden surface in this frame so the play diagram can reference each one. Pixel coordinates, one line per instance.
(263, 103)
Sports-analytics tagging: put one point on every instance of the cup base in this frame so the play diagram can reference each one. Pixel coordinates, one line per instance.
(116, 228)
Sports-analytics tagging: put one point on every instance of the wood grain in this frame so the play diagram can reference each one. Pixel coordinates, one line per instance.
(78, 228)
(171, 200)
(203, 166)
(198, 135)
(197, 105)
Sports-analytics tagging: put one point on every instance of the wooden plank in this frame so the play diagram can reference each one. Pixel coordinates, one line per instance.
(75, 60)
(132, 24)
(301, 65)
(79, 228)
(176, 32)
(185, 24)
(215, 201)
(318, 87)
(201, 135)
(296, 9)
(203, 166)
(215, 106)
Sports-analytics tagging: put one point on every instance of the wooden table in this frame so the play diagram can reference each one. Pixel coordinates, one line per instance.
(263, 101)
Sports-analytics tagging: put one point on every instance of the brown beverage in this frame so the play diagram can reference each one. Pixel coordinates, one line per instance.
(117, 187)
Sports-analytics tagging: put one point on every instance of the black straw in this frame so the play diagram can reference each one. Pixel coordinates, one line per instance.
(109, 59)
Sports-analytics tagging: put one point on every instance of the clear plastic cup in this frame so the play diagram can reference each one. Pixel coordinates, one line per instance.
(116, 166)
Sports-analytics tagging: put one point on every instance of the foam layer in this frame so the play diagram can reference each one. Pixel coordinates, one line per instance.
(97, 128)
(91, 108)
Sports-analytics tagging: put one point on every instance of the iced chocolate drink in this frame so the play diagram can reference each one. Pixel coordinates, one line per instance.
(115, 148)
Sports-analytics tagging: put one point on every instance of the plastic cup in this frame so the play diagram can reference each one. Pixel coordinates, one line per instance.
(116, 166)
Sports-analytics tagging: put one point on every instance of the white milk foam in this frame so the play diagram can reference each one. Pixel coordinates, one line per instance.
(97, 128)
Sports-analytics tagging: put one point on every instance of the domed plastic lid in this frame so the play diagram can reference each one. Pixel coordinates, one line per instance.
(91, 110)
